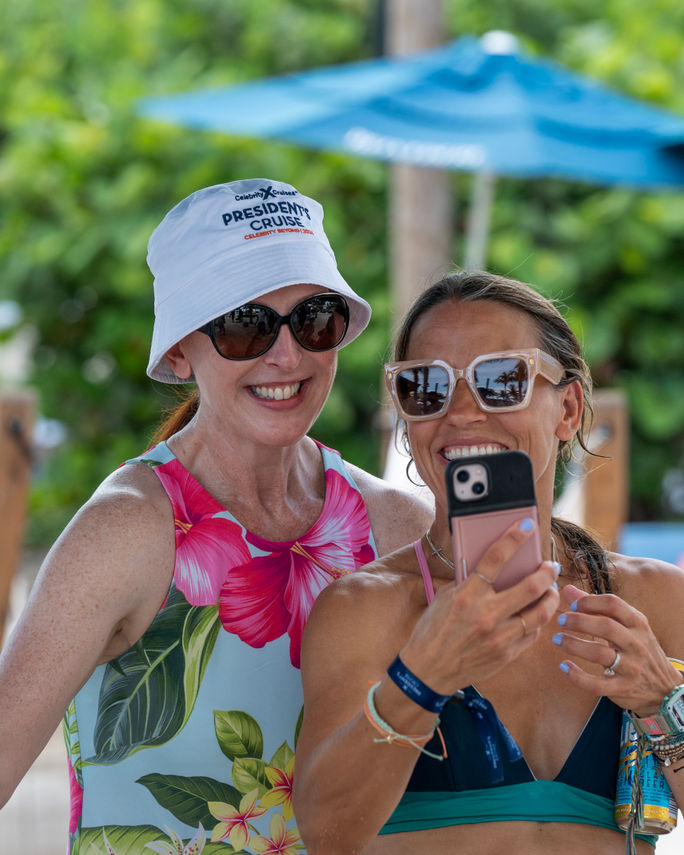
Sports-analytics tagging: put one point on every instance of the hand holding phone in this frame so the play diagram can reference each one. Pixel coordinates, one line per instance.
(486, 494)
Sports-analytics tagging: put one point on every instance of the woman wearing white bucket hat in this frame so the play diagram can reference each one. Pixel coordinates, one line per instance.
(167, 619)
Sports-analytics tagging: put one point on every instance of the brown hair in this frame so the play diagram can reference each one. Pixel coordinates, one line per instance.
(178, 416)
(557, 339)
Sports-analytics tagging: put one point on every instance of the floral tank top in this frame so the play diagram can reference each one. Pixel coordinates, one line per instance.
(184, 744)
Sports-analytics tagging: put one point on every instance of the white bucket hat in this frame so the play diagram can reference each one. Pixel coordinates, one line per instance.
(226, 245)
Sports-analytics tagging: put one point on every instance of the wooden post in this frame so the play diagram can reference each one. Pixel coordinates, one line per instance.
(606, 484)
(420, 215)
(17, 412)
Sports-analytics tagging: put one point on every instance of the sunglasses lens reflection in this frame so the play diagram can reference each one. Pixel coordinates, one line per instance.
(318, 323)
(499, 383)
(423, 390)
(245, 332)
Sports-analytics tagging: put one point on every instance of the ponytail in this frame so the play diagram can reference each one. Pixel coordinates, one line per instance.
(177, 417)
(585, 553)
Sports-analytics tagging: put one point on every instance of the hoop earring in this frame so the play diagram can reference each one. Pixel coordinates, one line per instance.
(401, 440)
(419, 483)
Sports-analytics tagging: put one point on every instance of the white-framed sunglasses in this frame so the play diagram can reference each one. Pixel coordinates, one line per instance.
(500, 382)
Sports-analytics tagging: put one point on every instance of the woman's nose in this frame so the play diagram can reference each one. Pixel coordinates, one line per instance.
(285, 350)
(463, 405)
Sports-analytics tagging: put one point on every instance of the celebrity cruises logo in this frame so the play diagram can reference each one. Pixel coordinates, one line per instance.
(265, 193)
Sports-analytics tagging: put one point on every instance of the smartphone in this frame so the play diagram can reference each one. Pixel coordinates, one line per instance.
(486, 494)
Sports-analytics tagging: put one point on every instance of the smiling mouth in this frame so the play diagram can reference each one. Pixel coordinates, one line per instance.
(276, 393)
(459, 451)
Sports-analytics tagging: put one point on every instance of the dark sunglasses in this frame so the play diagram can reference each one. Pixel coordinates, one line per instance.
(500, 382)
(318, 323)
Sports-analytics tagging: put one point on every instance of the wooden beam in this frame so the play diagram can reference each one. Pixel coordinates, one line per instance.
(606, 484)
(420, 216)
(17, 413)
(420, 199)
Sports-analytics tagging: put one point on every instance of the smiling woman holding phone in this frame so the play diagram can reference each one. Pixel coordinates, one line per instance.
(449, 715)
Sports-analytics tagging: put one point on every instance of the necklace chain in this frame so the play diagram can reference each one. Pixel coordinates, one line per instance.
(438, 552)
(449, 563)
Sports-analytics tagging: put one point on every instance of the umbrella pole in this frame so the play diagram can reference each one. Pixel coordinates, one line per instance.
(479, 221)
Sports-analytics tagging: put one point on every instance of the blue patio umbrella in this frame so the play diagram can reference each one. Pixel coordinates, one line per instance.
(477, 105)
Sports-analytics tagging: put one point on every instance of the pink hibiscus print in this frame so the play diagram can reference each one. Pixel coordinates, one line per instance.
(76, 799)
(272, 594)
(206, 544)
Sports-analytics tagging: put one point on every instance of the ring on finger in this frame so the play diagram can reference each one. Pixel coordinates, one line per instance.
(610, 670)
(524, 625)
(484, 578)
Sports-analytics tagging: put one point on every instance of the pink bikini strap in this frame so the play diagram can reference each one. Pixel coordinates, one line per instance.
(424, 570)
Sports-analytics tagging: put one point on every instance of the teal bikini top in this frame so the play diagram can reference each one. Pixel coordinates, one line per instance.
(485, 777)
(539, 801)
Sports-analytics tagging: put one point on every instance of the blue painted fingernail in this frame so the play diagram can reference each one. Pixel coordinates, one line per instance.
(557, 567)
(557, 639)
(553, 585)
(564, 667)
(561, 619)
(527, 524)
(573, 606)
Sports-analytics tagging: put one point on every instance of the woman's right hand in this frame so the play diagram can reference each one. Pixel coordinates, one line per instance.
(470, 631)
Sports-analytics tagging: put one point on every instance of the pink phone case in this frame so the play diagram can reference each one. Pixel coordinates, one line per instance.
(473, 534)
(478, 518)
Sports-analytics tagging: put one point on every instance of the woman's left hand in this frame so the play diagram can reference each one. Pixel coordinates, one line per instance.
(622, 642)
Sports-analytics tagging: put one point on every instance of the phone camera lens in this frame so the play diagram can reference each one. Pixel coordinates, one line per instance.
(478, 488)
(462, 475)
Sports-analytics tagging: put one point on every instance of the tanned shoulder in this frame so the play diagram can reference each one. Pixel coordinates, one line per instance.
(655, 588)
(115, 559)
(388, 586)
(397, 517)
(358, 621)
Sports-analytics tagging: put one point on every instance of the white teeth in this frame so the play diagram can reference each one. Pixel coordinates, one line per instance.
(276, 393)
(469, 451)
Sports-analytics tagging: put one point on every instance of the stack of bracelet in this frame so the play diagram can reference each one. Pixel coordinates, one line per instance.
(663, 732)
(669, 749)
(414, 688)
(418, 741)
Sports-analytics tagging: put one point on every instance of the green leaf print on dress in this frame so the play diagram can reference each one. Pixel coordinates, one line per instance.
(187, 797)
(238, 734)
(228, 812)
(145, 839)
(148, 693)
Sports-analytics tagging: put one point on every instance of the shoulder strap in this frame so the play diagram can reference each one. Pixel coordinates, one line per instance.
(154, 456)
(424, 570)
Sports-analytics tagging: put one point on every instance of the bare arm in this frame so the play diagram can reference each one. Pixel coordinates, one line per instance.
(396, 517)
(644, 624)
(97, 591)
(347, 785)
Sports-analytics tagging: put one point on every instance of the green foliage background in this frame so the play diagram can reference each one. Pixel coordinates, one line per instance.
(83, 182)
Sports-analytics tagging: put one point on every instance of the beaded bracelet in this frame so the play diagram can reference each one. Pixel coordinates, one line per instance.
(391, 736)
(668, 751)
(415, 688)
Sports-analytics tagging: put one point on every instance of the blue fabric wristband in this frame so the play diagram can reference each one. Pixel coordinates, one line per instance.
(415, 688)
